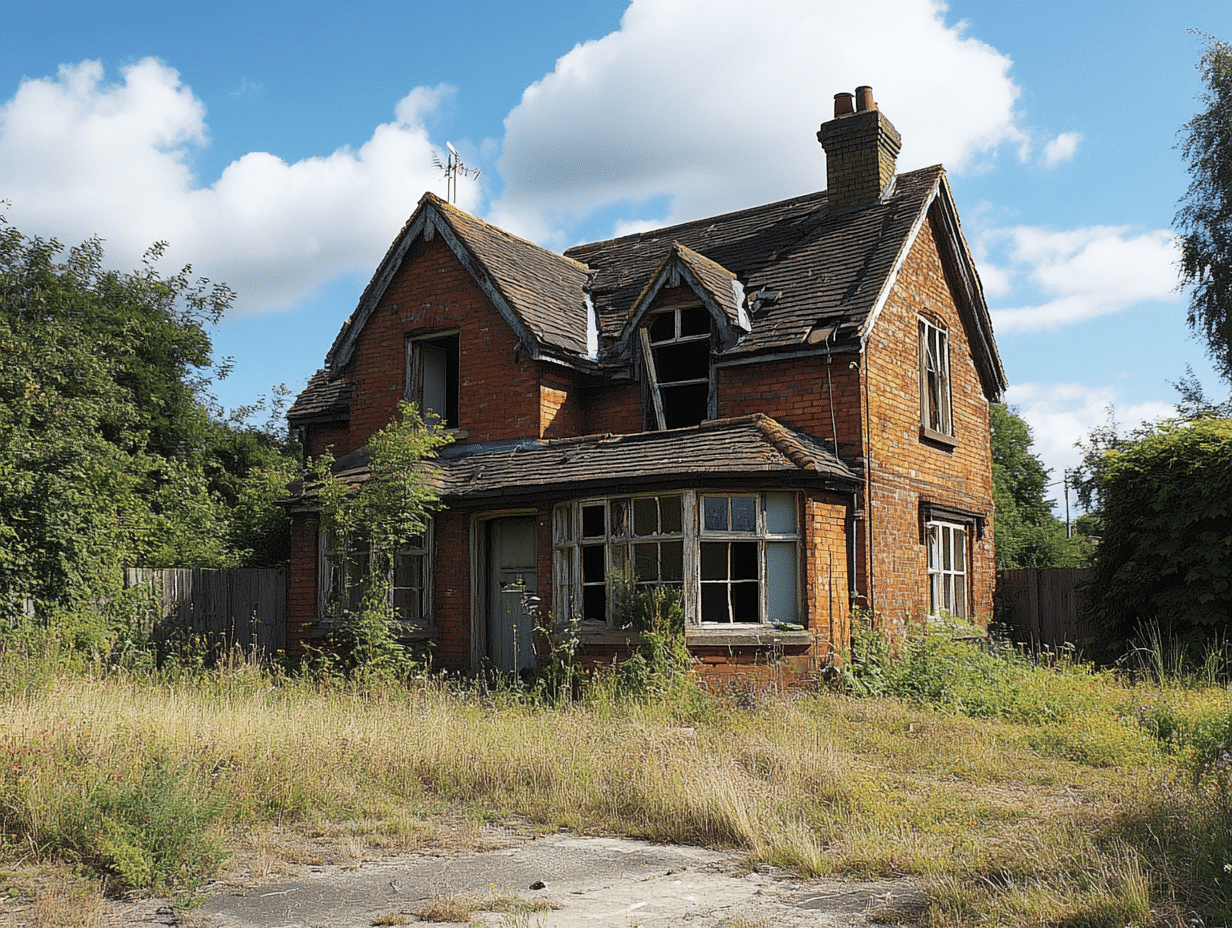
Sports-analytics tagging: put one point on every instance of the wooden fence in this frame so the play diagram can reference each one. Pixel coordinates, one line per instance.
(1043, 608)
(243, 607)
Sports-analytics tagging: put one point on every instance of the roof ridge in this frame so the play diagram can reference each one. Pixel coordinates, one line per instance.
(444, 207)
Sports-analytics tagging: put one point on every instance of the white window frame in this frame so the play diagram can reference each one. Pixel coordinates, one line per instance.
(936, 407)
(948, 560)
(777, 553)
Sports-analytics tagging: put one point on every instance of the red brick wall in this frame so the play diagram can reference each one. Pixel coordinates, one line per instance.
(498, 394)
(302, 584)
(797, 392)
(907, 470)
(561, 410)
(321, 438)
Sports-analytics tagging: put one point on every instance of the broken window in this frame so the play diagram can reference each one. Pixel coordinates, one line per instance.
(735, 556)
(639, 538)
(676, 357)
(935, 379)
(749, 560)
(947, 568)
(342, 580)
(432, 378)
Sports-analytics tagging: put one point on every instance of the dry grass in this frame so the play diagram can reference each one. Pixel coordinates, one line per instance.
(1010, 823)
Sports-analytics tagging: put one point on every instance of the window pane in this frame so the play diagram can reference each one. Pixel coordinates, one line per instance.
(744, 560)
(781, 588)
(714, 602)
(592, 521)
(407, 570)
(715, 508)
(685, 406)
(744, 513)
(682, 361)
(594, 603)
(620, 517)
(407, 605)
(619, 559)
(645, 516)
(435, 372)
(694, 321)
(669, 513)
(646, 562)
(714, 560)
(781, 513)
(564, 523)
(960, 550)
(671, 561)
(593, 568)
(744, 602)
(663, 327)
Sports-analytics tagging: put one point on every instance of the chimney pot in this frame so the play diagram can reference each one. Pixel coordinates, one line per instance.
(861, 150)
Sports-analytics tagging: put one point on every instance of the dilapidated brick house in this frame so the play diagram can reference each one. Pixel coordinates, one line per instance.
(782, 411)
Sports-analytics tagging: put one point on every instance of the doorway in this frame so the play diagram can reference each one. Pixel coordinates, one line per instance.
(512, 575)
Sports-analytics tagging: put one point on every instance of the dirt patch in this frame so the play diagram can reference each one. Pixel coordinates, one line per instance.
(523, 880)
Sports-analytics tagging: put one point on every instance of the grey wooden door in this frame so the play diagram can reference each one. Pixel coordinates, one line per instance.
(511, 577)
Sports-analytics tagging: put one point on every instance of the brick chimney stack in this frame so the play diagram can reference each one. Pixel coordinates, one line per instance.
(861, 149)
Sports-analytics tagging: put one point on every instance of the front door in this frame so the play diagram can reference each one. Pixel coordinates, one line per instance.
(511, 578)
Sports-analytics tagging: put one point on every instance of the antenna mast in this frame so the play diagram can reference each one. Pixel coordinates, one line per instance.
(453, 166)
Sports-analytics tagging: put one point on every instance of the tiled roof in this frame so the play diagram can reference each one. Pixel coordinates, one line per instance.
(540, 293)
(826, 265)
(544, 288)
(750, 450)
(811, 273)
(322, 398)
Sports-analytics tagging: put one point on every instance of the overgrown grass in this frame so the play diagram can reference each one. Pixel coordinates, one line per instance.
(1022, 792)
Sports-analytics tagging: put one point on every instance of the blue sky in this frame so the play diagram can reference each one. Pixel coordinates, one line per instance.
(279, 147)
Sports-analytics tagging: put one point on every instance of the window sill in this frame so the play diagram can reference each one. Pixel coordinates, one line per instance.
(742, 636)
(933, 437)
(748, 636)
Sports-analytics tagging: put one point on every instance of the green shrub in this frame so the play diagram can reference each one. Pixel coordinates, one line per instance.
(1166, 550)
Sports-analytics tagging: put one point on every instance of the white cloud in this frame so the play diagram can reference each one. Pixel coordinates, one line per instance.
(715, 104)
(1060, 414)
(80, 157)
(1061, 149)
(1085, 272)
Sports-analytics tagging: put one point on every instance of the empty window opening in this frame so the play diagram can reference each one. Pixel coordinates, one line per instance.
(432, 378)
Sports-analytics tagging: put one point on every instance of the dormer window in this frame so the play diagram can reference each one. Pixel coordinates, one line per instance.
(676, 358)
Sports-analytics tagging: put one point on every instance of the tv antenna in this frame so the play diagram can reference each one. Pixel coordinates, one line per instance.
(453, 166)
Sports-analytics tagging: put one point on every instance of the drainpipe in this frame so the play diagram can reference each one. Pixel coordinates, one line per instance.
(868, 487)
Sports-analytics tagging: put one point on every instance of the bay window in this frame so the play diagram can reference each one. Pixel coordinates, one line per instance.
(734, 556)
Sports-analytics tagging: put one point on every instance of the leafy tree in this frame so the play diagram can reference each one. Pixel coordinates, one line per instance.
(364, 527)
(109, 454)
(1027, 533)
(1204, 219)
(1166, 550)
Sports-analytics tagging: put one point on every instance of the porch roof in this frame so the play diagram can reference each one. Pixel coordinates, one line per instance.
(751, 450)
